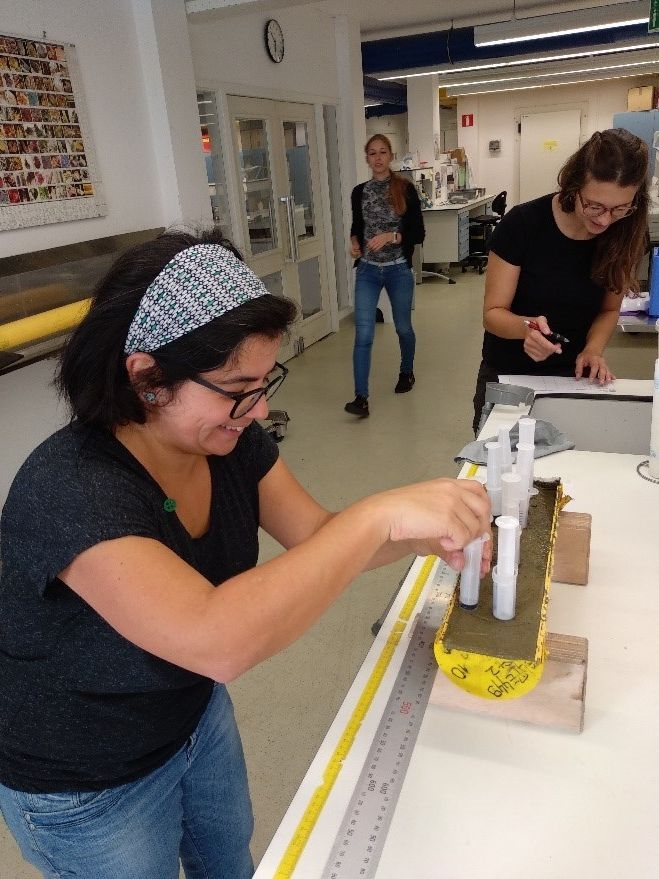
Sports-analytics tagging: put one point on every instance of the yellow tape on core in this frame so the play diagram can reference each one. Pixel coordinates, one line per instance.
(496, 677)
(489, 677)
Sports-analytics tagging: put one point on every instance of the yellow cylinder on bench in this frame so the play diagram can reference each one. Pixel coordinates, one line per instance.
(505, 660)
(28, 330)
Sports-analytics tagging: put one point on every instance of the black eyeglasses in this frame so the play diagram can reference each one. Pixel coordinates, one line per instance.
(246, 401)
(593, 209)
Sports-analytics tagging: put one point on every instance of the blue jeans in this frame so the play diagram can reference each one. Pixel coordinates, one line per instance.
(195, 807)
(398, 280)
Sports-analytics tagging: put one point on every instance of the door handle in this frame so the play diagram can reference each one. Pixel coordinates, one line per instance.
(289, 202)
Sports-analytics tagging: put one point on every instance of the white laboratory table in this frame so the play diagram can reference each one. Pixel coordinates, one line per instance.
(490, 798)
(447, 230)
(638, 323)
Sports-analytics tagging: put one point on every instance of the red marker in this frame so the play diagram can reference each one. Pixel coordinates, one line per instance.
(554, 338)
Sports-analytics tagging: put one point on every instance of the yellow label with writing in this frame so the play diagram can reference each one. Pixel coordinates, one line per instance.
(550, 145)
(490, 677)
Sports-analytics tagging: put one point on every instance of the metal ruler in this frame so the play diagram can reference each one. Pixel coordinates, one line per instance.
(358, 846)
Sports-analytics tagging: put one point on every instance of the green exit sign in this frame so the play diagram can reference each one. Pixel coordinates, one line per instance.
(653, 24)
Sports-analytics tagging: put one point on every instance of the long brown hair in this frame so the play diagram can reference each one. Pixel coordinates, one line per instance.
(612, 156)
(397, 184)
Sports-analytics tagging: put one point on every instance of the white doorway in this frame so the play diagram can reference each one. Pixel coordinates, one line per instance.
(276, 156)
(547, 139)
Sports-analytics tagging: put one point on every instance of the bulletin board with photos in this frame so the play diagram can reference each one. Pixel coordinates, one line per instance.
(48, 170)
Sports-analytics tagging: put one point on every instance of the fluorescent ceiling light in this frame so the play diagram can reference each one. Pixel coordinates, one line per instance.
(556, 73)
(536, 84)
(579, 21)
(623, 46)
(628, 60)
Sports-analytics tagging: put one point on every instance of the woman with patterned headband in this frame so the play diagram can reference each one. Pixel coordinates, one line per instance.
(130, 590)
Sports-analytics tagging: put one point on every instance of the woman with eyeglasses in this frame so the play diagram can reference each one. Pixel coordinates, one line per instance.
(559, 266)
(130, 592)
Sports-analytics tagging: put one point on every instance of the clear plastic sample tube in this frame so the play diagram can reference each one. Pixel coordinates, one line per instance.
(504, 574)
(470, 576)
(653, 463)
(510, 502)
(526, 430)
(506, 453)
(507, 530)
(525, 453)
(493, 483)
(504, 594)
(510, 491)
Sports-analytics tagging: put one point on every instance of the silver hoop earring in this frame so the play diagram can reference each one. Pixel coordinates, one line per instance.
(150, 397)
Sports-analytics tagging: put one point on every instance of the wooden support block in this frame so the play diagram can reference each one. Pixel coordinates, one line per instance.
(572, 548)
(558, 701)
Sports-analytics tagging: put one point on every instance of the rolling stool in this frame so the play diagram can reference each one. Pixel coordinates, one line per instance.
(480, 232)
(428, 274)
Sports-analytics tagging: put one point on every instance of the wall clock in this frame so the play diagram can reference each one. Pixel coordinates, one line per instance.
(274, 40)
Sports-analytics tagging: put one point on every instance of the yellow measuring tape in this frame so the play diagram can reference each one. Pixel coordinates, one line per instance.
(319, 797)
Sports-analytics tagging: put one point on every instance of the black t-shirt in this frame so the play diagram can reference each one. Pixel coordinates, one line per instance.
(554, 280)
(81, 707)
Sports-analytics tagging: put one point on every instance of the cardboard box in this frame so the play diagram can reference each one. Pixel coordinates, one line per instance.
(643, 98)
(459, 155)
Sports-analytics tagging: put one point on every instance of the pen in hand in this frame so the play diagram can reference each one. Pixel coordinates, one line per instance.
(554, 338)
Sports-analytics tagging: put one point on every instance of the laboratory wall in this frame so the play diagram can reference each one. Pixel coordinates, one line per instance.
(229, 54)
(496, 116)
(143, 117)
(394, 127)
(321, 66)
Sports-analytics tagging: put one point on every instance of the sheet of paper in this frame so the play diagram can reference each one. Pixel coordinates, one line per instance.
(557, 384)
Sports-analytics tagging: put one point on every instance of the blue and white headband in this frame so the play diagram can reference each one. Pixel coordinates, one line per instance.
(201, 283)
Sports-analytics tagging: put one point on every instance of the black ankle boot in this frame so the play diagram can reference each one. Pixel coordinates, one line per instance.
(405, 383)
(359, 406)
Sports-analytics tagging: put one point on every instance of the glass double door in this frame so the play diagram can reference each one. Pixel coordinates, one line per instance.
(275, 146)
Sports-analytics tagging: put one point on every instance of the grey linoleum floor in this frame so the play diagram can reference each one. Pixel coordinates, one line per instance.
(285, 706)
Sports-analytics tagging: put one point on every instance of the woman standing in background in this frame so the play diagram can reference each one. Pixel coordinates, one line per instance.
(386, 225)
(562, 263)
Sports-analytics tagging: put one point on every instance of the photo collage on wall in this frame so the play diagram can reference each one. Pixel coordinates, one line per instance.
(46, 160)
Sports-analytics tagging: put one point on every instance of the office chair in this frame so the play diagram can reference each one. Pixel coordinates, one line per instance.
(426, 273)
(480, 232)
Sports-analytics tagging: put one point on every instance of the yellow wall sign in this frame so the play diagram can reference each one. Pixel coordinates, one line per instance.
(550, 146)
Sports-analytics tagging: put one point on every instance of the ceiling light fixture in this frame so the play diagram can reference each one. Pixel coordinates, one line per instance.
(651, 43)
(553, 74)
(537, 84)
(560, 24)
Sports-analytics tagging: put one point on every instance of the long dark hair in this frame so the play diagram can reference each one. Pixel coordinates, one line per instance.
(397, 185)
(92, 374)
(612, 156)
